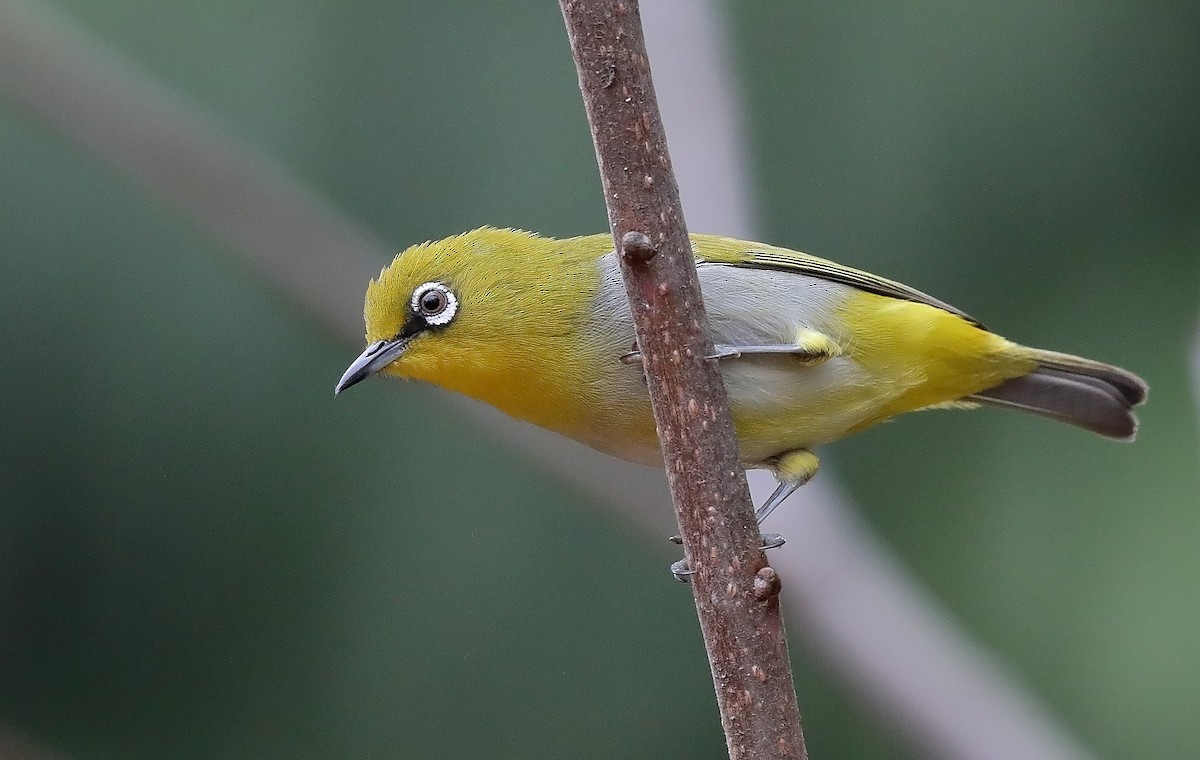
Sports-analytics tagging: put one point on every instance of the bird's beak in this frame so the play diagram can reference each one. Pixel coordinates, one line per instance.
(377, 356)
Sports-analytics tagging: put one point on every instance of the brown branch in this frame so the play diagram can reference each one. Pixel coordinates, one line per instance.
(736, 592)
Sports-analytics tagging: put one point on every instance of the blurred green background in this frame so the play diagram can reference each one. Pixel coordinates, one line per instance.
(202, 555)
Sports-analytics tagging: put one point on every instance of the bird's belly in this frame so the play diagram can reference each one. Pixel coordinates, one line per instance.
(777, 404)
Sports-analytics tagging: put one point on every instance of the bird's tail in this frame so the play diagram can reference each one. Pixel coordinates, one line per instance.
(1094, 396)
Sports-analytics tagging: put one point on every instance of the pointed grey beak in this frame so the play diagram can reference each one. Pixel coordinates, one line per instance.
(377, 356)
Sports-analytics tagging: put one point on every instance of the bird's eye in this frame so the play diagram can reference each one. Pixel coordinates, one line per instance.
(435, 303)
(432, 302)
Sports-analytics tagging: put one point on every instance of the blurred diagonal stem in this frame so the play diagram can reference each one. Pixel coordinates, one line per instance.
(15, 747)
(876, 628)
(253, 204)
(1196, 370)
(735, 591)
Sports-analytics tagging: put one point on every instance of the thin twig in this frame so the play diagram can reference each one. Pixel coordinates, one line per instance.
(736, 592)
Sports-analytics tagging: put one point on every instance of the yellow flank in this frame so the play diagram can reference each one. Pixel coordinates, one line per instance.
(908, 355)
(920, 356)
(814, 350)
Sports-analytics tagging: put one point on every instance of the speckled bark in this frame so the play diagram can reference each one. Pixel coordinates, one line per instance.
(736, 593)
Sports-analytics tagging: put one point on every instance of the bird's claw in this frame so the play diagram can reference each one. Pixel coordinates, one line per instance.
(682, 571)
(724, 352)
(721, 352)
(772, 541)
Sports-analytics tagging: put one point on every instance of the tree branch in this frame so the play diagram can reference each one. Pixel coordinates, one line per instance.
(735, 591)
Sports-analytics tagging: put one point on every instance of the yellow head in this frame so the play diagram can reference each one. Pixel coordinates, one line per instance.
(490, 313)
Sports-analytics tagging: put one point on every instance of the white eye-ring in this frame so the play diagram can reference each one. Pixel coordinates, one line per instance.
(435, 303)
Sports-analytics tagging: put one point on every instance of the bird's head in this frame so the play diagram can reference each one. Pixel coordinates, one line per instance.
(462, 310)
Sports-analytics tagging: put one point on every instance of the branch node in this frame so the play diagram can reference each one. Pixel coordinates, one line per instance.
(636, 246)
(767, 584)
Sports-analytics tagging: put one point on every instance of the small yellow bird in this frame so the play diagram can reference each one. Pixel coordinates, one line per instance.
(811, 351)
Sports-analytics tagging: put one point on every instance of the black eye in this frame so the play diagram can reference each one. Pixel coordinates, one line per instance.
(433, 302)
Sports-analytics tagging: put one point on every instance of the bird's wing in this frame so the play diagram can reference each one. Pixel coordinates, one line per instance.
(756, 256)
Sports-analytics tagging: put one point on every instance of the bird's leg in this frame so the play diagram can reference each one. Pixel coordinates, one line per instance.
(722, 352)
(682, 570)
(810, 348)
(792, 470)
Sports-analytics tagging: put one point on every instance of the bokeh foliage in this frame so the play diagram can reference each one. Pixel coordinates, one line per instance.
(202, 555)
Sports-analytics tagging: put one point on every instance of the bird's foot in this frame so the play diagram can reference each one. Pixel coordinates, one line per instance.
(682, 571)
(772, 541)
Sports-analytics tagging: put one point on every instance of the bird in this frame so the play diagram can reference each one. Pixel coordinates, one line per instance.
(810, 351)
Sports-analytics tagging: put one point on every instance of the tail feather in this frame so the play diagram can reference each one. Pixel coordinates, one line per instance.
(1132, 387)
(1089, 394)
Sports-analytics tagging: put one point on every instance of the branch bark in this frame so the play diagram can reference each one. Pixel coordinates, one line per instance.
(735, 590)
